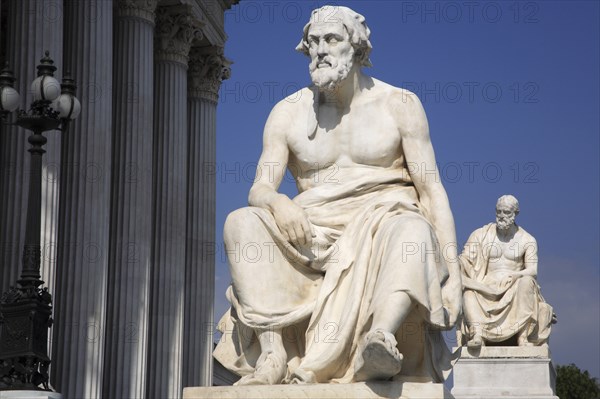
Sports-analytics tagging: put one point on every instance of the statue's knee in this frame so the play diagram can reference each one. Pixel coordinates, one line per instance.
(238, 221)
(469, 296)
(526, 284)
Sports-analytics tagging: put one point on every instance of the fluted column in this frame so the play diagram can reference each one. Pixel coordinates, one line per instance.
(34, 26)
(131, 201)
(82, 256)
(175, 31)
(208, 67)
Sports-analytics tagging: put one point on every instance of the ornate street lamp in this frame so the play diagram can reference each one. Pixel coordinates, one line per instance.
(25, 311)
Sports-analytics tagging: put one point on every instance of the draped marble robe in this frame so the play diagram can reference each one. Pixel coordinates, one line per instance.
(372, 239)
(504, 310)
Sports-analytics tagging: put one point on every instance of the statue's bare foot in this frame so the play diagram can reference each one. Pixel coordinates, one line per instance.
(475, 342)
(379, 359)
(523, 337)
(270, 369)
(302, 377)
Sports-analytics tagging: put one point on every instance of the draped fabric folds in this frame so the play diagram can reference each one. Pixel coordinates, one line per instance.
(372, 239)
(503, 310)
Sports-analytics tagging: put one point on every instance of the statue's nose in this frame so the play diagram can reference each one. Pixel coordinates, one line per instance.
(322, 48)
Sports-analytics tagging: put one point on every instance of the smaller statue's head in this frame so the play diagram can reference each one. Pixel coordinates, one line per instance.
(507, 209)
(336, 38)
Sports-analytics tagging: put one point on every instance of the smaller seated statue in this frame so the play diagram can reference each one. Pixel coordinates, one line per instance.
(502, 299)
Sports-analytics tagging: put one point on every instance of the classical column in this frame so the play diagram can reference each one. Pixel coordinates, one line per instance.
(82, 255)
(175, 31)
(34, 26)
(208, 67)
(131, 201)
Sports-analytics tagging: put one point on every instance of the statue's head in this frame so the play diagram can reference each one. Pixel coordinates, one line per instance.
(336, 38)
(507, 209)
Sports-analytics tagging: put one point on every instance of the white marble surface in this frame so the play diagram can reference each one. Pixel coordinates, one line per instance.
(502, 299)
(507, 372)
(505, 352)
(343, 265)
(29, 395)
(390, 390)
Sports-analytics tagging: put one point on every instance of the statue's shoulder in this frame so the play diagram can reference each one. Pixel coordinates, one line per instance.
(525, 236)
(404, 106)
(395, 95)
(484, 231)
(488, 226)
(292, 113)
(302, 98)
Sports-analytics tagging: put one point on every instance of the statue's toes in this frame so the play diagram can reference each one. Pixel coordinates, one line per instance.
(302, 377)
(475, 342)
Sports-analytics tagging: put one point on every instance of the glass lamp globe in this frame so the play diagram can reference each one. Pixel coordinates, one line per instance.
(45, 88)
(9, 99)
(68, 106)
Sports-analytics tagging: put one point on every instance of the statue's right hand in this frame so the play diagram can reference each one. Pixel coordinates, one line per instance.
(292, 221)
(507, 281)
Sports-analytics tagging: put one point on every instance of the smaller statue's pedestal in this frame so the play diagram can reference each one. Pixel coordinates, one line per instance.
(517, 372)
(362, 390)
(15, 394)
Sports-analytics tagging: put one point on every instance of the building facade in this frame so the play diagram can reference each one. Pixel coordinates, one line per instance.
(127, 201)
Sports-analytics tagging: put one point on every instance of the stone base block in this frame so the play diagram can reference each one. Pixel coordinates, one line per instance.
(514, 372)
(362, 390)
(29, 395)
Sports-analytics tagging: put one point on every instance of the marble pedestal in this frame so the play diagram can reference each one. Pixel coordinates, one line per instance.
(362, 390)
(29, 395)
(504, 372)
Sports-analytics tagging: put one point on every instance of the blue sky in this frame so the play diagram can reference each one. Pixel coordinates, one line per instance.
(511, 91)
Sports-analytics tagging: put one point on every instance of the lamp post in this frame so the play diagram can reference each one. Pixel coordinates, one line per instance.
(26, 310)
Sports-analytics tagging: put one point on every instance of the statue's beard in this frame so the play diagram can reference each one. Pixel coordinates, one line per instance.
(330, 76)
(505, 223)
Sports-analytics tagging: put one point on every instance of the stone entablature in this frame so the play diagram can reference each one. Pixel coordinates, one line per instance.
(143, 9)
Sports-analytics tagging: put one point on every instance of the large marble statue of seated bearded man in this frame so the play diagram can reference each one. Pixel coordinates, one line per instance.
(347, 281)
(502, 299)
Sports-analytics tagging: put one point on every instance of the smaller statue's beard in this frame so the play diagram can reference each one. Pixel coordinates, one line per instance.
(330, 77)
(505, 223)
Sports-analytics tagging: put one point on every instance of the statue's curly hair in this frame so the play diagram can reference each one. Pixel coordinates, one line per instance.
(509, 200)
(355, 25)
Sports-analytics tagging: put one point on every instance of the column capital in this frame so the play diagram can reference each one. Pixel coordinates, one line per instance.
(207, 68)
(176, 29)
(142, 9)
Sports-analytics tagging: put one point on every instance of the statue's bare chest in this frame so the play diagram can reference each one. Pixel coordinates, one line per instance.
(512, 250)
(365, 137)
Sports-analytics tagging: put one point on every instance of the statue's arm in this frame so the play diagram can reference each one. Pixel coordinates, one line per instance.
(290, 218)
(530, 258)
(470, 259)
(272, 163)
(416, 144)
